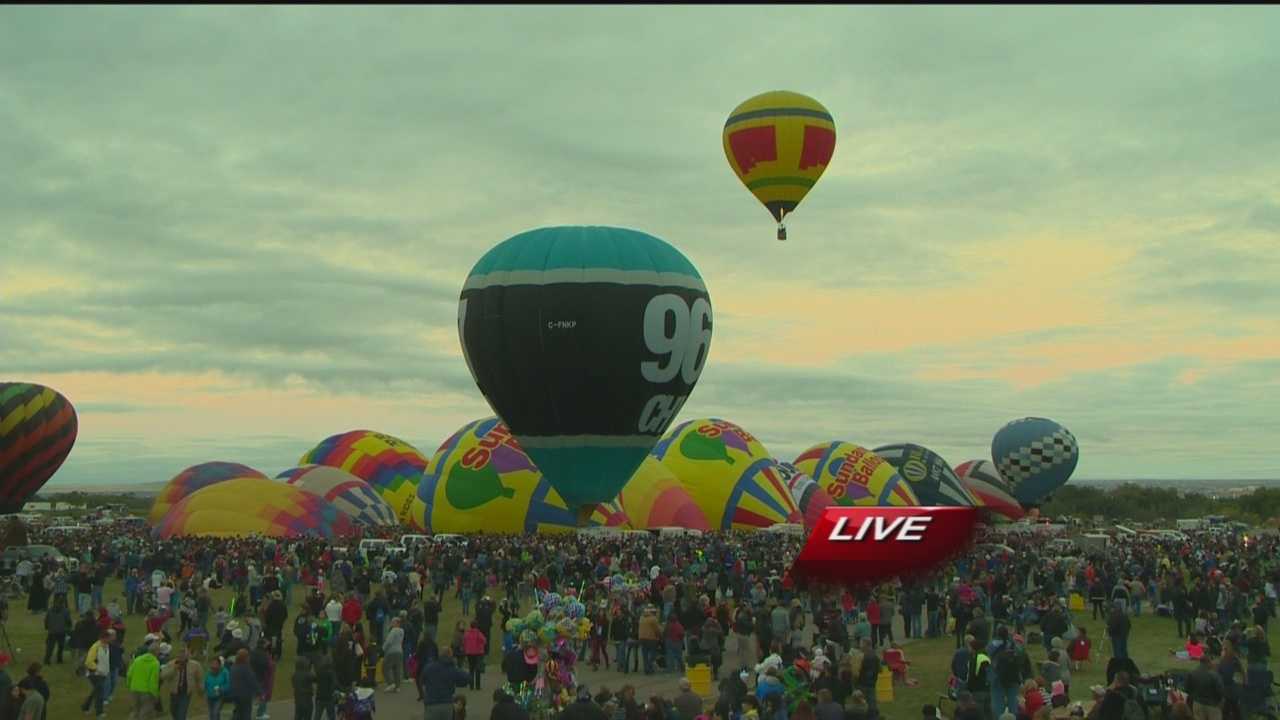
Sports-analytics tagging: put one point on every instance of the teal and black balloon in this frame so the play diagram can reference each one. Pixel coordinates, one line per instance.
(1035, 456)
(929, 475)
(586, 341)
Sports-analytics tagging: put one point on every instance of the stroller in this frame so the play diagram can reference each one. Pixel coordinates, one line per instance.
(357, 704)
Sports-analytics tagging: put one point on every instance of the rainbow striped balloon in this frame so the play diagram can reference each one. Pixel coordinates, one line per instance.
(392, 466)
(37, 431)
(194, 478)
(241, 507)
(349, 493)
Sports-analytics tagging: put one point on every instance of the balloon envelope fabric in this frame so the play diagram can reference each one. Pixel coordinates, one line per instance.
(854, 475)
(38, 428)
(729, 474)
(1035, 456)
(390, 465)
(811, 500)
(586, 341)
(349, 493)
(193, 479)
(931, 478)
(481, 480)
(654, 498)
(255, 506)
(985, 483)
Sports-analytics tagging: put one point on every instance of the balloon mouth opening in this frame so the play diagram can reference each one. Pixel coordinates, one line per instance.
(582, 516)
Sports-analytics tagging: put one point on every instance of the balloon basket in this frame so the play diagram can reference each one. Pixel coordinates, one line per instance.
(782, 233)
(582, 516)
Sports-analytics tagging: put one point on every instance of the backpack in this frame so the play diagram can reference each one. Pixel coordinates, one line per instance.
(1008, 669)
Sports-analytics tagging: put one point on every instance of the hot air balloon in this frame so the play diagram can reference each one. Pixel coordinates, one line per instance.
(810, 499)
(480, 480)
(390, 465)
(778, 144)
(729, 474)
(611, 514)
(347, 492)
(194, 478)
(930, 477)
(255, 506)
(981, 478)
(586, 341)
(37, 431)
(1035, 456)
(654, 498)
(853, 475)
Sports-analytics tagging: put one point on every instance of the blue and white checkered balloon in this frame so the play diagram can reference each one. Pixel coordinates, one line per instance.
(1035, 456)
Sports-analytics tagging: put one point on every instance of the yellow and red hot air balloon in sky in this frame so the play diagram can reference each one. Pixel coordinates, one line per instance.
(779, 143)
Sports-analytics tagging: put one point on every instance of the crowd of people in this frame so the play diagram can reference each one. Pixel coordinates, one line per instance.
(656, 605)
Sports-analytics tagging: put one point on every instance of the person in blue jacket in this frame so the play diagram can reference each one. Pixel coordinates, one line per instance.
(440, 680)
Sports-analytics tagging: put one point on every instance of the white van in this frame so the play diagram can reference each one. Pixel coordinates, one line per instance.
(409, 542)
(372, 545)
(676, 532)
(793, 529)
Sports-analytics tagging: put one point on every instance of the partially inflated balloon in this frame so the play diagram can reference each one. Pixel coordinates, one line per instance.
(37, 431)
(853, 475)
(1035, 456)
(729, 474)
(193, 479)
(930, 477)
(611, 514)
(778, 144)
(349, 493)
(255, 506)
(480, 480)
(811, 500)
(989, 488)
(654, 498)
(586, 341)
(392, 466)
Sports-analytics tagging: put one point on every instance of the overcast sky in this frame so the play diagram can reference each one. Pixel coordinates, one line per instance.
(227, 233)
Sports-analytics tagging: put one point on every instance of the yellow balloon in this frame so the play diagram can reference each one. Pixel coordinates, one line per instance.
(654, 497)
(854, 475)
(778, 144)
(255, 506)
(730, 475)
(480, 480)
(194, 478)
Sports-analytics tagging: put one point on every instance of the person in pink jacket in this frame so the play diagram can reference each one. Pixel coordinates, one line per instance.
(474, 646)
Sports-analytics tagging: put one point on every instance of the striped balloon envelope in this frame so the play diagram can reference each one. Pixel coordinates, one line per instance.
(194, 478)
(854, 475)
(930, 477)
(778, 144)
(38, 428)
(349, 493)
(241, 507)
(611, 514)
(390, 465)
(984, 481)
(811, 500)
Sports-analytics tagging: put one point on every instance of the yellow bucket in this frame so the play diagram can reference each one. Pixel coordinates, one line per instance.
(884, 686)
(699, 677)
(1076, 602)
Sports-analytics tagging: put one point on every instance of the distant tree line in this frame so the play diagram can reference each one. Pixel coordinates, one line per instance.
(1141, 503)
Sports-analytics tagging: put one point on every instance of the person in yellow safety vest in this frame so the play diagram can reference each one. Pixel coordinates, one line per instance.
(97, 664)
(979, 681)
(144, 683)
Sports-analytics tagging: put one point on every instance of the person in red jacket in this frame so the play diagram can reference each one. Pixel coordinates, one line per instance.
(352, 610)
(474, 646)
(873, 618)
(674, 637)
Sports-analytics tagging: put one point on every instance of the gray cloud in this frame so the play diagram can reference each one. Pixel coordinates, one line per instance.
(295, 191)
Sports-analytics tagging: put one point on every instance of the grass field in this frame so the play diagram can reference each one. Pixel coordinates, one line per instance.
(1150, 642)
